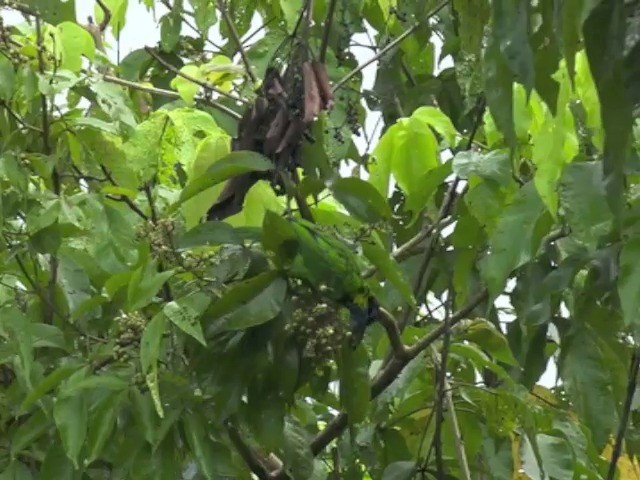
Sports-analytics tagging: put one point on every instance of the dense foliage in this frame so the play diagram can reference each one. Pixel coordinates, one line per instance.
(489, 236)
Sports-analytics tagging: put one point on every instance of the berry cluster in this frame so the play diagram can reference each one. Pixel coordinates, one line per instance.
(159, 235)
(128, 330)
(318, 323)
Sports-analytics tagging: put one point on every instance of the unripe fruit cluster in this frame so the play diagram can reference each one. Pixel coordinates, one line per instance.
(129, 328)
(317, 323)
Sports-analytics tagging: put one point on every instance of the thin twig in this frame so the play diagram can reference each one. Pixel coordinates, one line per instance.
(626, 411)
(390, 46)
(186, 76)
(236, 38)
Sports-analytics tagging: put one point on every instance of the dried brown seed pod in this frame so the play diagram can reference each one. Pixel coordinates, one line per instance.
(276, 131)
(311, 93)
(322, 79)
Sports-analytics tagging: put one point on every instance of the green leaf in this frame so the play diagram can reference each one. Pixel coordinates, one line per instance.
(210, 233)
(34, 427)
(404, 470)
(499, 455)
(170, 26)
(94, 382)
(479, 359)
(499, 90)
(16, 471)
(115, 102)
(583, 368)
(200, 445)
(361, 199)
(511, 31)
(260, 309)
(231, 165)
(511, 243)
(102, 424)
(606, 60)
(486, 335)
(75, 42)
(185, 313)
(7, 79)
(297, 453)
(71, 417)
(54, 12)
(279, 237)
(353, 370)
(50, 382)
(56, 464)
(142, 294)
(151, 342)
(382, 260)
(556, 455)
(628, 281)
(437, 120)
(241, 293)
(187, 88)
(494, 165)
(583, 201)
(408, 150)
(530, 463)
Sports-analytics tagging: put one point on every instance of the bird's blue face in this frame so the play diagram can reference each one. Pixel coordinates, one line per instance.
(362, 314)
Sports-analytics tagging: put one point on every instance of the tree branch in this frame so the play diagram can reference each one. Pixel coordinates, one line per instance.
(236, 38)
(390, 372)
(166, 93)
(107, 15)
(250, 457)
(626, 411)
(390, 325)
(390, 46)
(186, 76)
(55, 178)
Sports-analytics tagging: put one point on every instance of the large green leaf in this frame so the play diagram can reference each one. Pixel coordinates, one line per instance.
(260, 309)
(511, 243)
(361, 199)
(605, 53)
(386, 265)
(101, 424)
(583, 201)
(557, 457)
(71, 416)
(233, 164)
(628, 281)
(510, 30)
(499, 90)
(353, 367)
(185, 313)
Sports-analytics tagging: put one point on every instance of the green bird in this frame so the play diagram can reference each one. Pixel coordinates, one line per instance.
(325, 260)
